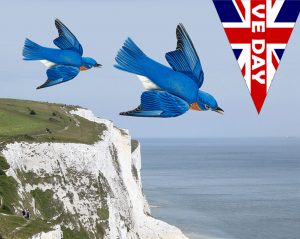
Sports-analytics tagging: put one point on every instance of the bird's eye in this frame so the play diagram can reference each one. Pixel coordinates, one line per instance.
(207, 107)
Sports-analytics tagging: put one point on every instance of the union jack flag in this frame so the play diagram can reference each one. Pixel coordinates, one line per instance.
(258, 31)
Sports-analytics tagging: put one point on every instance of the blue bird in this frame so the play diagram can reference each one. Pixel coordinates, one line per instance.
(63, 64)
(170, 92)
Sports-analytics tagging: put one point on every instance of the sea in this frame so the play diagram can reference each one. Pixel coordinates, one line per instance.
(225, 188)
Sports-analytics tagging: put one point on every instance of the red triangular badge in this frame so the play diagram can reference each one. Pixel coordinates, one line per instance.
(258, 31)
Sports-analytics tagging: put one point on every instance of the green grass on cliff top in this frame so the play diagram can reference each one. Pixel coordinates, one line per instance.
(44, 122)
(22, 120)
(16, 227)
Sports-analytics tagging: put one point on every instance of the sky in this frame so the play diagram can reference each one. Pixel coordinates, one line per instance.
(102, 27)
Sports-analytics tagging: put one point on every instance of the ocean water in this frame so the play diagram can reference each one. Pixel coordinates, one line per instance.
(225, 188)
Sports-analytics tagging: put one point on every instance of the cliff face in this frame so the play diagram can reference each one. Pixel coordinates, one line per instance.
(84, 191)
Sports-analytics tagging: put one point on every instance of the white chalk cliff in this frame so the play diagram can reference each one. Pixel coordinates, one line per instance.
(93, 189)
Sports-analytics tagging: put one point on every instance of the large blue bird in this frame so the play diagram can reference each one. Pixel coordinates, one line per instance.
(63, 64)
(170, 92)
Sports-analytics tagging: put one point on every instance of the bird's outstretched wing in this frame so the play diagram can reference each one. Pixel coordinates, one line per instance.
(185, 59)
(159, 104)
(59, 74)
(66, 39)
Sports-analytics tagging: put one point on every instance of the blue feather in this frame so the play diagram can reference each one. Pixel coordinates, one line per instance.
(185, 58)
(59, 74)
(49, 83)
(66, 39)
(32, 51)
(130, 58)
(62, 43)
(61, 71)
(159, 104)
(177, 61)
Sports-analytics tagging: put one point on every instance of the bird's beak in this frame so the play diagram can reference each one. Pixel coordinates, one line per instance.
(219, 110)
(98, 65)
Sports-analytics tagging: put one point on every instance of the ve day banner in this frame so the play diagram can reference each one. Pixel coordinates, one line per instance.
(258, 31)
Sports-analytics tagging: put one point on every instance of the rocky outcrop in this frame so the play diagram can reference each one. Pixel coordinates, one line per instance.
(93, 191)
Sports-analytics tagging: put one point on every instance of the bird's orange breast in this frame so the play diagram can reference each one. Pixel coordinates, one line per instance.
(83, 68)
(195, 106)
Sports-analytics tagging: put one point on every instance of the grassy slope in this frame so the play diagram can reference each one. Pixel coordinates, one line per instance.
(42, 122)
(35, 122)
(15, 226)
(8, 189)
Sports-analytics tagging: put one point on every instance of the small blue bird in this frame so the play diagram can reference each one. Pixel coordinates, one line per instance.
(170, 92)
(63, 64)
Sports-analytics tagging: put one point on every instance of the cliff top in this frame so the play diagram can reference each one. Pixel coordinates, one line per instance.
(23, 120)
(45, 122)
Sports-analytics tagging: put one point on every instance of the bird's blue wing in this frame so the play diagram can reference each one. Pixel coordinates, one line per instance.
(159, 104)
(66, 39)
(59, 74)
(185, 59)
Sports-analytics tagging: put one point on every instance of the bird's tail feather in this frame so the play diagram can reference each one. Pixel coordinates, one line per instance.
(32, 51)
(130, 58)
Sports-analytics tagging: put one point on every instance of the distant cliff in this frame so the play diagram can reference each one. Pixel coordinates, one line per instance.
(77, 184)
